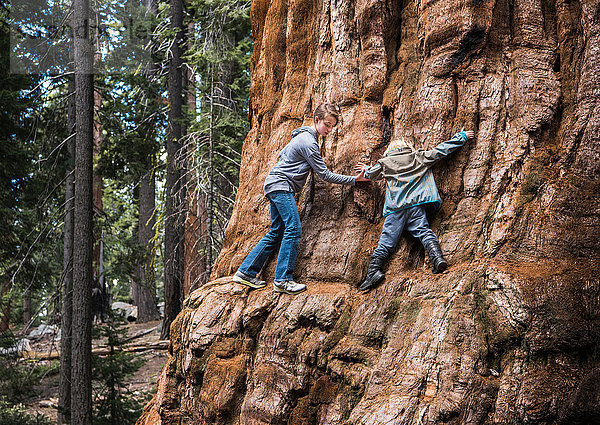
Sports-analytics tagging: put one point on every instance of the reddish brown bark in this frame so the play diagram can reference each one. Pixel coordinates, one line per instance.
(505, 335)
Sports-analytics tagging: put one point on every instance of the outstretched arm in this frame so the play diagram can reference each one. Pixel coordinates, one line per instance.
(446, 148)
(313, 157)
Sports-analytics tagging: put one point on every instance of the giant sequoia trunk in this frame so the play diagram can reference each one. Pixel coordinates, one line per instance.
(509, 334)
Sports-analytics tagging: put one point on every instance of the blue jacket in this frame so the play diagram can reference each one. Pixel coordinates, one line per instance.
(409, 180)
(296, 160)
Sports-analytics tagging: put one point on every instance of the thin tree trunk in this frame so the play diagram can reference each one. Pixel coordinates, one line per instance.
(26, 308)
(144, 286)
(5, 305)
(209, 206)
(98, 300)
(64, 396)
(173, 187)
(195, 227)
(81, 394)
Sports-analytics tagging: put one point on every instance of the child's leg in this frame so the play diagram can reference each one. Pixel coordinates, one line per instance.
(390, 234)
(418, 226)
(259, 255)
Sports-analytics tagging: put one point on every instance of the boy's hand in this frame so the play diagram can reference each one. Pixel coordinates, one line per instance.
(361, 176)
(358, 168)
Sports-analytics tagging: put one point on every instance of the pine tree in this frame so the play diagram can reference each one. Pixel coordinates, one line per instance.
(114, 404)
(81, 397)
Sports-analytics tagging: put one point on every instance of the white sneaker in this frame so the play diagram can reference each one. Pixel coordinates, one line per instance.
(252, 282)
(289, 287)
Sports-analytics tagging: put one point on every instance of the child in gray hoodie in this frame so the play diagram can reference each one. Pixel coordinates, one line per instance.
(410, 187)
(287, 177)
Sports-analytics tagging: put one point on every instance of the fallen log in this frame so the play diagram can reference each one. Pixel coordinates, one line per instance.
(101, 351)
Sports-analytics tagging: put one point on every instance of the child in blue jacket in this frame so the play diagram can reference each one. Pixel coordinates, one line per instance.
(410, 187)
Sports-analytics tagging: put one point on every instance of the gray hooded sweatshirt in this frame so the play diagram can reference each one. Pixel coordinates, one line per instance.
(296, 160)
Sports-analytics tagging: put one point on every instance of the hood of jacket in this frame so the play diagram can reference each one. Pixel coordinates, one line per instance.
(303, 129)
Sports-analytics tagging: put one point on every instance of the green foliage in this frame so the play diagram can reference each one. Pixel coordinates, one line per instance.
(133, 118)
(220, 55)
(32, 129)
(119, 223)
(15, 163)
(17, 376)
(113, 401)
(17, 415)
(133, 122)
(34, 160)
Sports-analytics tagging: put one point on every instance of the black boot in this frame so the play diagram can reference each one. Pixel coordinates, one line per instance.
(374, 274)
(438, 262)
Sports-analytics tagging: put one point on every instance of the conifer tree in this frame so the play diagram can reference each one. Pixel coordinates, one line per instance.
(81, 395)
(174, 186)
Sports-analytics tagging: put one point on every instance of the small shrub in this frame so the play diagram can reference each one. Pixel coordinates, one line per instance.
(18, 376)
(113, 402)
(16, 415)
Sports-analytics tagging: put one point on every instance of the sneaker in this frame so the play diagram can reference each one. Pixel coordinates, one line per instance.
(252, 282)
(289, 287)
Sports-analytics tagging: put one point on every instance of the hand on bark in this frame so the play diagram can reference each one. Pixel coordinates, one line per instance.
(470, 134)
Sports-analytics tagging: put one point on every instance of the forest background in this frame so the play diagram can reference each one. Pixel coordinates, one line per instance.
(120, 152)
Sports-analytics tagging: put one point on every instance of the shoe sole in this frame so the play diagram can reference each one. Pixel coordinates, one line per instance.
(441, 268)
(283, 291)
(242, 281)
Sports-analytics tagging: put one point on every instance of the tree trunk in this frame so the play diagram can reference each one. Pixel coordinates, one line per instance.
(196, 217)
(144, 286)
(174, 182)
(5, 306)
(99, 301)
(64, 386)
(81, 396)
(509, 333)
(26, 308)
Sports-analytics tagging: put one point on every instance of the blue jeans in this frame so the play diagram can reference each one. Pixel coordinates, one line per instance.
(285, 233)
(415, 221)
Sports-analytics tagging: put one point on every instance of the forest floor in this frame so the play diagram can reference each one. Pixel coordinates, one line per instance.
(141, 384)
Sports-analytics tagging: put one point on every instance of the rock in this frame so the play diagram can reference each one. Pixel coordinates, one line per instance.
(20, 347)
(52, 403)
(119, 305)
(127, 310)
(508, 334)
(44, 330)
